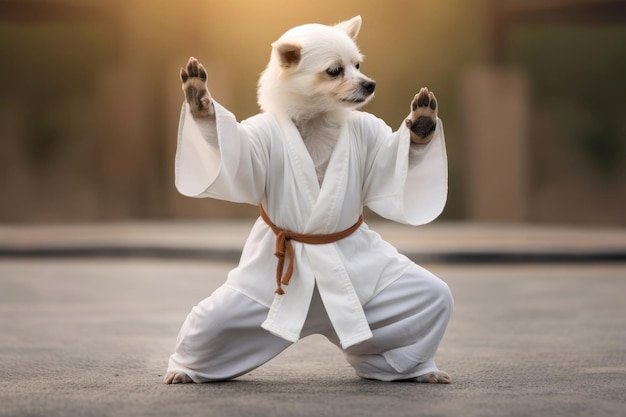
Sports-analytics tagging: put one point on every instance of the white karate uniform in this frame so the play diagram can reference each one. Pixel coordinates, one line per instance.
(386, 313)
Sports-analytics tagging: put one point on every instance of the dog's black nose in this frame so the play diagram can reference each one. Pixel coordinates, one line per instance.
(369, 86)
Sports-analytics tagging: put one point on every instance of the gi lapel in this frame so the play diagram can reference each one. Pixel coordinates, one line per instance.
(288, 312)
(325, 214)
(335, 287)
(319, 264)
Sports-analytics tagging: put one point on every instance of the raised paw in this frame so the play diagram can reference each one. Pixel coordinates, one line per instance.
(437, 377)
(423, 118)
(194, 86)
(177, 377)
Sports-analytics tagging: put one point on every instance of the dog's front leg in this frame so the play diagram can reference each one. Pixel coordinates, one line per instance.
(423, 118)
(195, 88)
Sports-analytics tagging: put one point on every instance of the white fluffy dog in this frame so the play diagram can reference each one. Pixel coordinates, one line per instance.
(317, 89)
(313, 80)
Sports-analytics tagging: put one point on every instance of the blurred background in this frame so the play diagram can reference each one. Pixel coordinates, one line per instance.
(532, 94)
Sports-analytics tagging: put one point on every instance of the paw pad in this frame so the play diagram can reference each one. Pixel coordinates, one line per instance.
(423, 119)
(424, 99)
(194, 78)
(194, 69)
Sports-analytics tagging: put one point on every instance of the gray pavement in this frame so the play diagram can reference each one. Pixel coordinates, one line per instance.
(89, 333)
(223, 239)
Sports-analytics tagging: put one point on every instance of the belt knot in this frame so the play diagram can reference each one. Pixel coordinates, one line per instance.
(284, 248)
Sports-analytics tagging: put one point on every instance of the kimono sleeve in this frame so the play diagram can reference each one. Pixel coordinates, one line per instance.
(405, 183)
(220, 158)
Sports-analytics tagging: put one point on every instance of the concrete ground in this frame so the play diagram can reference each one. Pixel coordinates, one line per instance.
(89, 335)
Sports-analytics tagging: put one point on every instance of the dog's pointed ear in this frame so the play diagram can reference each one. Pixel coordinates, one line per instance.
(288, 53)
(351, 27)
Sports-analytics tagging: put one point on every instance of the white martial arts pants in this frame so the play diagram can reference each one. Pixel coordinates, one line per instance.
(222, 337)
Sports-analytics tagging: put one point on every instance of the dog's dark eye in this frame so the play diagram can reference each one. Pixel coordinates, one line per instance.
(334, 71)
(358, 65)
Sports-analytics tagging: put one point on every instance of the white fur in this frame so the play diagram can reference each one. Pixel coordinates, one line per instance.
(303, 91)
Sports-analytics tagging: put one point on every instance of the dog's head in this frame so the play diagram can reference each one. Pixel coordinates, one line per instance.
(313, 69)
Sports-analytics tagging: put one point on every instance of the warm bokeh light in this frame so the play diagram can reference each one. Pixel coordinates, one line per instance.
(89, 99)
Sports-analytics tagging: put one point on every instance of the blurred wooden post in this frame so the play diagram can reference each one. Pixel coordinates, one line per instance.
(494, 101)
(129, 171)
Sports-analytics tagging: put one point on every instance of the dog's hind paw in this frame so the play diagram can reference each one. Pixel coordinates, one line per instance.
(423, 118)
(437, 377)
(194, 86)
(177, 377)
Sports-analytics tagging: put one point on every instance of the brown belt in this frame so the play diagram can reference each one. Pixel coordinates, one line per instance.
(284, 247)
